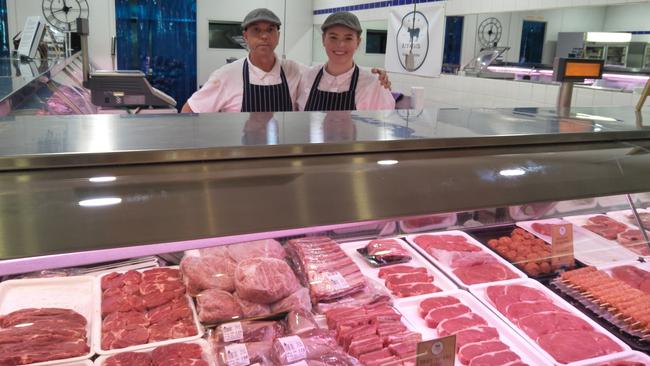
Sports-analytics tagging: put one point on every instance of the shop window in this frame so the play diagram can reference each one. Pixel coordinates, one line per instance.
(453, 44)
(226, 35)
(376, 41)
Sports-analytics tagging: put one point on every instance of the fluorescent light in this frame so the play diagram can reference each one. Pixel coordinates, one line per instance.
(97, 202)
(595, 118)
(102, 179)
(387, 162)
(512, 172)
(609, 37)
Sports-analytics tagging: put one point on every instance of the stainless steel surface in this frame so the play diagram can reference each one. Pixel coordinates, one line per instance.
(70, 210)
(564, 97)
(99, 140)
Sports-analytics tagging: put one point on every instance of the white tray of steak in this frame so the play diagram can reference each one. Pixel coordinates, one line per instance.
(195, 353)
(621, 237)
(588, 248)
(481, 337)
(463, 259)
(559, 331)
(622, 359)
(627, 217)
(46, 321)
(142, 309)
(78, 363)
(411, 278)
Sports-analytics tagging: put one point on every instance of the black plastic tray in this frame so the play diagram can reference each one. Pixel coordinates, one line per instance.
(483, 235)
(635, 342)
(373, 261)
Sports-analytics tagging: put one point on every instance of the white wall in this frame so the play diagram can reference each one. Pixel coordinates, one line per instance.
(297, 28)
(101, 21)
(633, 17)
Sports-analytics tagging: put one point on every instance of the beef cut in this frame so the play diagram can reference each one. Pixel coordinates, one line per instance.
(464, 321)
(178, 354)
(435, 316)
(499, 358)
(413, 289)
(388, 250)
(264, 280)
(120, 330)
(519, 310)
(180, 328)
(202, 273)
(119, 280)
(476, 334)
(266, 248)
(470, 351)
(434, 303)
(571, 346)
(217, 306)
(252, 309)
(385, 271)
(537, 325)
(129, 359)
(299, 300)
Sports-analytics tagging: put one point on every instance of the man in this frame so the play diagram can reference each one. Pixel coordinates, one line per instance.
(259, 82)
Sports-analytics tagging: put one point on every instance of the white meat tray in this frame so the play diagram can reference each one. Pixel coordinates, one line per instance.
(409, 309)
(448, 270)
(480, 292)
(644, 266)
(75, 292)
(97, 317)
(612, 201)
(621, 216)
(605, 250)
(79, 363)
(440, 280)
(448, 220)
(625, 356)
(589, 248)
(576, 205)
(208, 356)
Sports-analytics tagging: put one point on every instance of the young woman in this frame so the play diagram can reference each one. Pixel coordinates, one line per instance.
(340, 84)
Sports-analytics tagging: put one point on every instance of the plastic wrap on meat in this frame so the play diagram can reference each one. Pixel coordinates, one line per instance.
(203, 273)
(247, 331)
(251, 353)
(300, 322)
(252, 309)
(264, 280)
(388, 250)
(299, 300)
(310, 345)
(267, 248)
(217, 306)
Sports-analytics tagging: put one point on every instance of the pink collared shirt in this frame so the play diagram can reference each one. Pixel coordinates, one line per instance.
(223, 92)
(370, 94)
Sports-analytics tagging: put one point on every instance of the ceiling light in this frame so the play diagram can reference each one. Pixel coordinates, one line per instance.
(97, 202)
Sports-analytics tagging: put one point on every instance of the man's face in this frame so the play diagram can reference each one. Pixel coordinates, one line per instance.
(262, 37)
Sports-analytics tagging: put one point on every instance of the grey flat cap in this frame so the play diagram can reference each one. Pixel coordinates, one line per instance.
(260, 15)
(343, 18)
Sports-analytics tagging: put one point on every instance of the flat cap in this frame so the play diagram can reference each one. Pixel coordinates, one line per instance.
(260, 15)
(343, 18)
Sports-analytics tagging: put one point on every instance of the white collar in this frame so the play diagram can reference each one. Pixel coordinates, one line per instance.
(261, 74)
(344, 75)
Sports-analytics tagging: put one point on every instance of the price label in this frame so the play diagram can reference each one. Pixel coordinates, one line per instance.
(237, 355)
(562, 246)
(293, 348)
(437, 352)
(336, 281)
(232, 332)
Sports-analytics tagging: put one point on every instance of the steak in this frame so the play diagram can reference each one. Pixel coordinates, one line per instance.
(202, 273)
(115, 299)
(176, 352)
(388, 250)
(482, 273)
(435, 316)
(385, 271)
(455, 243)
(129, 359)
(576, 345)
(537, 325)
(217, 306)
(413, 289)
(33, 315)
(403, 278)
(119, 280)
(264, 280)
(171, 330)
(633, 276)
(503, 296)
(434, 303)
(497, 359)
(476, 334)
(519, 310)
(469, 351)
(170, 312)
(453, 325)
(120, 330)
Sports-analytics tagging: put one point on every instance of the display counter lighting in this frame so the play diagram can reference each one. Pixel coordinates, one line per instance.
(387, 162)
(595, 118)
(102, 179)
(609, 37)
(98, 202)
(626, 77)
(512, 172)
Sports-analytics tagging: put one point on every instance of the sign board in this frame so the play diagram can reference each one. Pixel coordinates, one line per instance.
(562, 246)
(31, 36)
(437, 352)
(416, 39)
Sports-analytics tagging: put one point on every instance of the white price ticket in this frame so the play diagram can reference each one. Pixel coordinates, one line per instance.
(232, 332)
(336, 281)
(294, 348)
(237, 355)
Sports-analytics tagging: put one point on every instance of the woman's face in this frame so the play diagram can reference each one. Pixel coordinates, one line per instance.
(340, 43)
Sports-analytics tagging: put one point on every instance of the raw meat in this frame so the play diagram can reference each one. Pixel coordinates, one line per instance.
(264, 280)
(298, 300)
(172, 330)
(119, 280)
(252, 309)
(413, 289)
(217, 306)
(202, 273)
(544, 229)
(605, 226)
(435, 316)
(267, 248)
(495, 359)
(300, 322)
(570, 346)
(464, 321)
(120, 330)
(402, 278)
(623, 363)
(258, 352)
(485, 272)
(454, 243)
(163, 354)
(634, 240)
(521, 309)
(469, 351)
(388, 250)
(385, 271)
(159, 290)
(115, 299)
(129, 359)
(251, 331)
(476, 334)
(537, 325)
(170, 312)
(434, 303)
(633, 276)
(503, 296)
(310, 345)
(34, 315)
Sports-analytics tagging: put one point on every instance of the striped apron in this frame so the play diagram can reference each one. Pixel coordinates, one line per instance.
(266, 98)
(330, 101)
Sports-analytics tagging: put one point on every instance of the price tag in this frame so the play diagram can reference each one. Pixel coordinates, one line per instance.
(562, 246)
(232, 332)
(293, 348)
(336, 281)
(237, 355)
(437, 352)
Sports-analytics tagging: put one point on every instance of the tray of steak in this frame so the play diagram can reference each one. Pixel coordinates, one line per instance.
(628, 217)
(428, 223)
(617, 297)
(142, 309)
(558, 330)
(463, 259)
(384, 252)
(622, 359)
(195, 353)
(47, 320)
(481, 337)
(402, 280)
(78, 363)
(376, 334)
(623, 237)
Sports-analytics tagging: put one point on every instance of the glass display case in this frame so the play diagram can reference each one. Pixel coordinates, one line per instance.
(405, 226)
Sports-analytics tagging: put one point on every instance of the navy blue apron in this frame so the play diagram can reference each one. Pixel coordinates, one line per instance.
(330, 101)
(266, 98)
